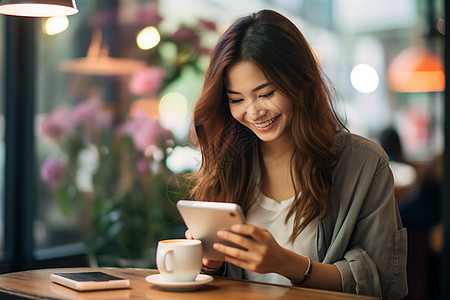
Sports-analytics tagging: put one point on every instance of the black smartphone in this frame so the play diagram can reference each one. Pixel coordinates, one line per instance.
(88, 281)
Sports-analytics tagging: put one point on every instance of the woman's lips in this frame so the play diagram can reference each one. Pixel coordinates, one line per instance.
(266, 123)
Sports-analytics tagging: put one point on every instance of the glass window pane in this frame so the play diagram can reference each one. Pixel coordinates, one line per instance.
(105, 114)
(59, 220)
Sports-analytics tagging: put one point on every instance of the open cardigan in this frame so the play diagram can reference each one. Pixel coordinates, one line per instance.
(362, 235)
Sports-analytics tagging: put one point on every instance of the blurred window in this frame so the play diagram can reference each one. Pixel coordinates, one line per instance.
(59, 222)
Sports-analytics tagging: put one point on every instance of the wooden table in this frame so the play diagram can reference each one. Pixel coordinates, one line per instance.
(36, 284)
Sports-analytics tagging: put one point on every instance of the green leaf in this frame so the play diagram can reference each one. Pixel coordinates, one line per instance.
(63, 200)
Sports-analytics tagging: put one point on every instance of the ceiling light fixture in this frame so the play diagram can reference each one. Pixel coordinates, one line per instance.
(98, 62)
(415, 70)
(38, 8)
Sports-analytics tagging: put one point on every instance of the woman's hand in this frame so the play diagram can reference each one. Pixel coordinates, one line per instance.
(262, 253)
(213, 264)
(188, 235)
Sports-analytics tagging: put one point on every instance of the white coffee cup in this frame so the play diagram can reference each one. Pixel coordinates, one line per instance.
(179, 260)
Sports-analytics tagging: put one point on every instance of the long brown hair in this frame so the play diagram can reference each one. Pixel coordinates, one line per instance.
(231, 159)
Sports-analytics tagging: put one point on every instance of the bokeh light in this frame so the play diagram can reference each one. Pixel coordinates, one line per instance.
(173, 110)
(364, 78)
(55, 25)
(148, 38)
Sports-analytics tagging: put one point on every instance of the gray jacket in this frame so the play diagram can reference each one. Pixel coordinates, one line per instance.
(362, 235)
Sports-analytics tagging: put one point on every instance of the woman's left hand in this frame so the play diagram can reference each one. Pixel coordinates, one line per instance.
(262, 253)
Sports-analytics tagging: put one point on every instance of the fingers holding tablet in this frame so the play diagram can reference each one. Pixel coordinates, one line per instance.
(204, 219)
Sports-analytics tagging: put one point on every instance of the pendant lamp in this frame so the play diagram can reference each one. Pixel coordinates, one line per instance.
(38, 8)
(416, 70)
(98, 62)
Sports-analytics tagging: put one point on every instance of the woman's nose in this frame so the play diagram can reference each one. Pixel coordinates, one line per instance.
(255, 110)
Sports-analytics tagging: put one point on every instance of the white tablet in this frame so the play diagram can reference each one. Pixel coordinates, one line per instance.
(204, 219)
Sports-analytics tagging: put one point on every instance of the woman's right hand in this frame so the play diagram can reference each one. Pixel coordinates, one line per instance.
(213, 264)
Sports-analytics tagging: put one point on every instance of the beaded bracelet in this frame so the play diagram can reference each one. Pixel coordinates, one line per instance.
(307, 273)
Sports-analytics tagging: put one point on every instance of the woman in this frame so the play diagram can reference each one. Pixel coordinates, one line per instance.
(318, 200)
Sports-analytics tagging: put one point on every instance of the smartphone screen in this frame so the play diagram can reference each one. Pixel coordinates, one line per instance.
(83, 281)
(89, 276)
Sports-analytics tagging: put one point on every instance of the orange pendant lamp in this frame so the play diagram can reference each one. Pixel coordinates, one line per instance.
(38, 8)
(416, 70)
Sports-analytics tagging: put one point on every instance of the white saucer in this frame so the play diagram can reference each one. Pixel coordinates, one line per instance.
(179, 286)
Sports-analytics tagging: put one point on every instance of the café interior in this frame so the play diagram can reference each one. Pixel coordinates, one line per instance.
(96, 104)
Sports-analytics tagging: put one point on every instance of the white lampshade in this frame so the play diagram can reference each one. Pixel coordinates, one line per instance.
(38, 8)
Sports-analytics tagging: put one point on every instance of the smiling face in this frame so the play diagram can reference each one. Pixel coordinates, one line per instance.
(257, 104)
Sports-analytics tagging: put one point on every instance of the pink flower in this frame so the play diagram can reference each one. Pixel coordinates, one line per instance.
(57, 124)
(145, 132)
(148, 14)
(90, 114)
(147, 81)
(142, 166)
(104, 119)
(85, 112)
(184, 34)
(211, 26)
(52, 171)
(148, 134)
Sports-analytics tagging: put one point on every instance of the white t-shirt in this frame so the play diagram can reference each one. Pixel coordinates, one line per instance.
(271, 214)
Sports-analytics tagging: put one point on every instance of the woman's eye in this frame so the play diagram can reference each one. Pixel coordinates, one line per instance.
(232, 101)
(268, 95)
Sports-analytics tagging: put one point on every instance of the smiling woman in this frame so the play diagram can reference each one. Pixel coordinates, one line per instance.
(256, 104)
(319, 200)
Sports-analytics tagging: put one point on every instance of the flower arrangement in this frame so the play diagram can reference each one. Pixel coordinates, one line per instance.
(112, 164)
(116, 172)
